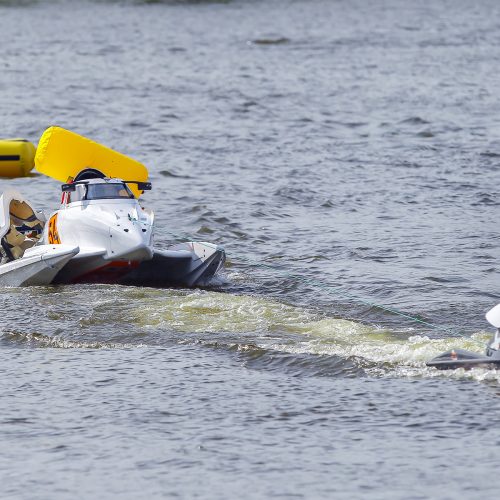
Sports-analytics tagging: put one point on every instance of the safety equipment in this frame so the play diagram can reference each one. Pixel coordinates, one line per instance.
(62, 154)
(16, 157)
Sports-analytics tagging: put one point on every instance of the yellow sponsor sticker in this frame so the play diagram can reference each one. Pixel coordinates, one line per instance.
(53, 235)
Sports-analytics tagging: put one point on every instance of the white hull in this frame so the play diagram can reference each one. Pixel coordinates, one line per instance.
(38, 266)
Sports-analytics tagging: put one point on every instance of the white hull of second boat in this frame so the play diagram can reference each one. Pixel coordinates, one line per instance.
(38, 266)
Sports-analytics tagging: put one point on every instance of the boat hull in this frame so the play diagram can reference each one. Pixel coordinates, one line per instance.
(95, 267)
(38, 266)
(460, 358)
(186, 264)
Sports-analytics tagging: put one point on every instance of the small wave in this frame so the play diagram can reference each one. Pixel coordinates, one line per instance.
(17, 3)
(346, 124)
(490, 199)
(270, 41)
(490, 154)
(414, 120)
(301, 364)
(329, 203)
(425, 134)
(136, 124)
(41, 340)
(167, 173)
(174, 2)
(296, 194)
(442, 279)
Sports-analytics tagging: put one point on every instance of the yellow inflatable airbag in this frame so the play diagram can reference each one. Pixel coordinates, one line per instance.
(62, 154)
(16, 157)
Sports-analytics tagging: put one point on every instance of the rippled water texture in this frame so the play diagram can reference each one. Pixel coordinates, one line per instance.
(345, 153)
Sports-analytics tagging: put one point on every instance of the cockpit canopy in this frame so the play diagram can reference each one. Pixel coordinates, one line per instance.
(98, 189)
(92, 184)
(108, 191)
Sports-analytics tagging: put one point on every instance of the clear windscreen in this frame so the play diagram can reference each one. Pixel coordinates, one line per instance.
(107, 191)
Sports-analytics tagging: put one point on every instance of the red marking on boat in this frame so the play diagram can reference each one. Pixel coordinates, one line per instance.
(109, 273)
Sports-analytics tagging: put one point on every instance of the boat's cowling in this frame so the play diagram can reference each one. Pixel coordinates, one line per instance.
(118, 229)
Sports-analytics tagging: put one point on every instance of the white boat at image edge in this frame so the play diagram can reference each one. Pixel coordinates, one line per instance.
(100, 234)
(461, 358)
(22, 261)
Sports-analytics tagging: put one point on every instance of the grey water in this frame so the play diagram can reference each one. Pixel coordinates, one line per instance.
(345, 153)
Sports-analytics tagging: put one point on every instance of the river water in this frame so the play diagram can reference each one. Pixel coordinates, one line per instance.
(345, 153)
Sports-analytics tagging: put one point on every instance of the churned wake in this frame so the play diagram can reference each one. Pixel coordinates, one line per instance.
(257, 327)
(274, 326)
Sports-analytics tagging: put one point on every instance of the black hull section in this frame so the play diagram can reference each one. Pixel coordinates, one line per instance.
(186, 264)
(460, 358)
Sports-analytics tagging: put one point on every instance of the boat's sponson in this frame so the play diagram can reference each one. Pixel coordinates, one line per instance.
(460, 358)
(38, 265)
(185, 264)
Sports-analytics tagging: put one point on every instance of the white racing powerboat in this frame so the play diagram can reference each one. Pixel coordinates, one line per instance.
(101, 233)
(22, 261)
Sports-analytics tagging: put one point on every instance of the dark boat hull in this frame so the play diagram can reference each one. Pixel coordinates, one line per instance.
(460, 358)
(185, 264)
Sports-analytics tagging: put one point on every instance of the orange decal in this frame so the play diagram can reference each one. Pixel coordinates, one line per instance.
(53, 235)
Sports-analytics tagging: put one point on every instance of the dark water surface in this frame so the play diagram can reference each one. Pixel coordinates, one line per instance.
(351, 144)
